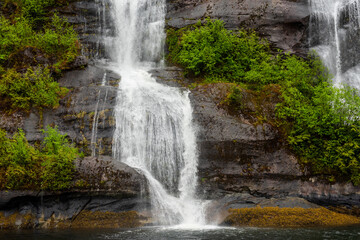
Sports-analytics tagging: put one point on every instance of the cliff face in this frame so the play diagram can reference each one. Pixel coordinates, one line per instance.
(242, 162)
(283, 22)
(107, 195)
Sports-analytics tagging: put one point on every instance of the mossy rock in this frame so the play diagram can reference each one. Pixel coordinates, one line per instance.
(288, 217)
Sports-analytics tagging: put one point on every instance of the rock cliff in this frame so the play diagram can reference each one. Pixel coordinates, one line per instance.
(242, 162)
(283, 22)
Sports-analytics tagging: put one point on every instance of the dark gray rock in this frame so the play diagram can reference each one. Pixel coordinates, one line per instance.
(243, 163)
(109, 186)
(236, 156)
(91, 19)
(86, 102)
(283, 22)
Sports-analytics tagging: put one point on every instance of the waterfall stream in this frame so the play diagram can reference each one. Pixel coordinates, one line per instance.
(334, 35)
(154, 131)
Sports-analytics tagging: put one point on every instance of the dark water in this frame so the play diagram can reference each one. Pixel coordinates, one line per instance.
(161, 233)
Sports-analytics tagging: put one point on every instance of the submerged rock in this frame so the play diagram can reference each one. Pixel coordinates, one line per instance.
(287, 217)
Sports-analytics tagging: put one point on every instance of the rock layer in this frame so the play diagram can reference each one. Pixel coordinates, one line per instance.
(283, 22)
(114, 195)
(243, 162)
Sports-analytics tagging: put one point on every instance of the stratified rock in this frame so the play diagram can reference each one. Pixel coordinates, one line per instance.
(104, 191)
(87, 105)
(283, 22)
(244, 161)
(288, 217)
(238, 156)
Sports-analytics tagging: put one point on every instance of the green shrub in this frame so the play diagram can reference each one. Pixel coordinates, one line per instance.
(14, 36)
(54, 40)
(21, 163)
(35, 88)
(4, 148)
(24, 167)
(58, 165)
(213, 51)
(59, 39)
(235, 98)
(325, 128)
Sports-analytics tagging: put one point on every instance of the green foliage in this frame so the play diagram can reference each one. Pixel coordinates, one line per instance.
(55, 41)
(59, 39)
(218, 54)
(234, 98)
(14, 36)
(24, 167)
(35, 88)
(35, 10)
(58, 165)
(215, 52)
(22, 161)
(4, 148)
(325, 128)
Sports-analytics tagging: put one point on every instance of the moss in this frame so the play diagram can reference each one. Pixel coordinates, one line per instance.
(81, 115)
(17, 221)
(88, 219)
(288, 217)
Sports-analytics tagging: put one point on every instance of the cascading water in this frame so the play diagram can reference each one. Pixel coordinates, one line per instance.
(334, 35)
(95, 125)
(154, 131)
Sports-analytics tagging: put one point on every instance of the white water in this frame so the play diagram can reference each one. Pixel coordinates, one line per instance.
(154, 131)
(94, 143)
(334, 35)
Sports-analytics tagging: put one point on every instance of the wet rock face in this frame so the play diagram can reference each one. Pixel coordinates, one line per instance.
(102, 186)
(90, 19)
(88, 106)
(242, 164)
(283, 22)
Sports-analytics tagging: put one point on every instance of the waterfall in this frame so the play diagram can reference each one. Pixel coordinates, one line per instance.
(334, 35)
(154, 131)
(95, 124)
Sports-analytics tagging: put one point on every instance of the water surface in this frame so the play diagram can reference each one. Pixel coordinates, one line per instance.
(206, 233)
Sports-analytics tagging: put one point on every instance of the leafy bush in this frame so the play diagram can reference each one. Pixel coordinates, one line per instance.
(14, 36)
(35, 88)
(59, 39)
(58, 165)
(215, 52)
(325, 128)
(234, 98)
(24, 167)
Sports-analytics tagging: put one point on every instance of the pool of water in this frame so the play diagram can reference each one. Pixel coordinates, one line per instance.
(204, 233)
